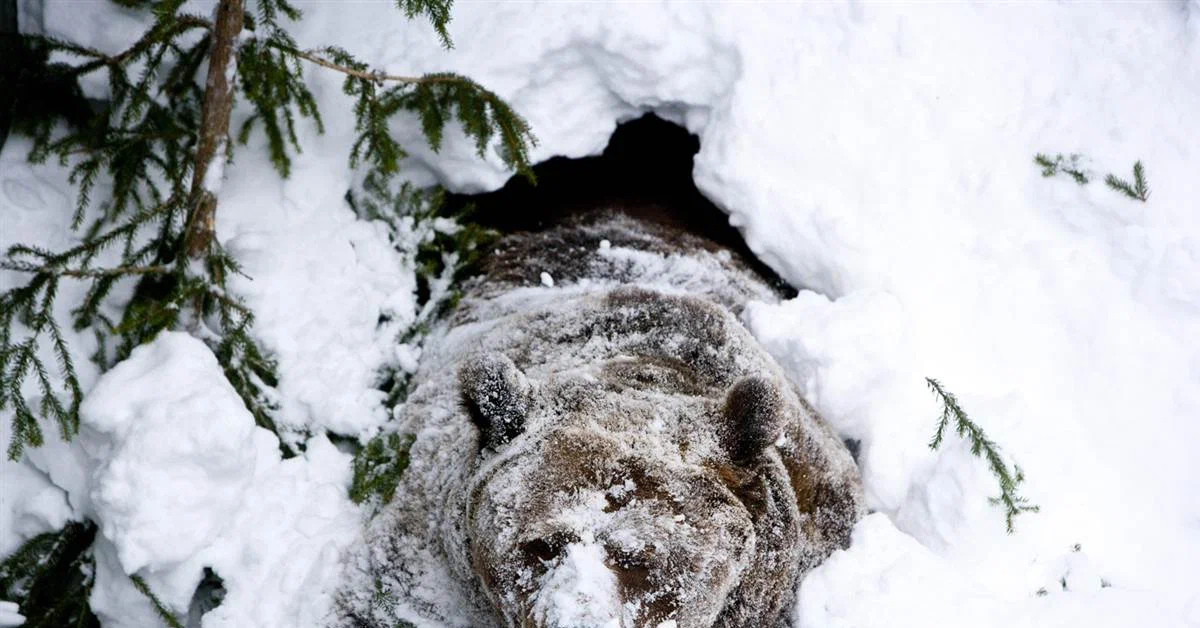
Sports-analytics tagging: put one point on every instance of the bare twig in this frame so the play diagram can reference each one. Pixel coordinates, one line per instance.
(378, 77)
(117, 271)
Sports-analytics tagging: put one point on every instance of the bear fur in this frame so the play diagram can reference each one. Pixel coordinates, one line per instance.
(614, 451)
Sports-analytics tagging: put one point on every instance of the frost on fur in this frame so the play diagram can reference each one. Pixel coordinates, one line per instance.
(613, 450)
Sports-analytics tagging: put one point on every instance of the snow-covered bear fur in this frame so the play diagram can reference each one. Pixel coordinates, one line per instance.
(612, 450)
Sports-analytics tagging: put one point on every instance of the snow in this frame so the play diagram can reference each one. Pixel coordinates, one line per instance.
(179, 478)
(145, 443)
(579, 593)
(877, 154)
(10, 615)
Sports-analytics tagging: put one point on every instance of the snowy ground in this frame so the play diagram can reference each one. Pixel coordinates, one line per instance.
(878, 154)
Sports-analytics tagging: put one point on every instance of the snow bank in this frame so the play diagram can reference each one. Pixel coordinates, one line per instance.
(170, 465)
(169, 442)
(879, 155)
(182, 479)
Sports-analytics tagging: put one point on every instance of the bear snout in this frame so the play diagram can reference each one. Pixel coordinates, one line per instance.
(578, 591)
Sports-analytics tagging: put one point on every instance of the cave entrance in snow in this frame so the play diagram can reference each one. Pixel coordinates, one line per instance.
(645, 170)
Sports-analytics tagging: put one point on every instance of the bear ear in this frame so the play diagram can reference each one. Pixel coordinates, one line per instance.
(496, 395)
(753, 417)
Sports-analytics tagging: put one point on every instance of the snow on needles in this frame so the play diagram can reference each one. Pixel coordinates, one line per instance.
(878, 154)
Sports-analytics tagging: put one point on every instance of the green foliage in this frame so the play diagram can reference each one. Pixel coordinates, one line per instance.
(1069, 165)
(272, 80)
(163, 612)
(32, 305)
(168, 296)
(437, 99)
(51, 576)
(444, 249)
(438, 12)
(1138, 190)
(378, 467)
(139, 147)
(981, 447)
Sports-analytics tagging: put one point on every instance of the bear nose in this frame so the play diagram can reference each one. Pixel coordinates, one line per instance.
(578, 591)
(550, 547)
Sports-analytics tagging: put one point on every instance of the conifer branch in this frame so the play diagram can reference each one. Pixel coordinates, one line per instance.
(981, 447)
(370, 75)
(1068, 164)
(438, 12)
(1139, 190)
(51, 577)
(118, 271)
(161, 609)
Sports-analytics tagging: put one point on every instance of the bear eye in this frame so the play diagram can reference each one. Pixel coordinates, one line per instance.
(638, 560)
(547, 548)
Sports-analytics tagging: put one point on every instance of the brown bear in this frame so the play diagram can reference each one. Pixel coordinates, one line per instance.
(599, 443)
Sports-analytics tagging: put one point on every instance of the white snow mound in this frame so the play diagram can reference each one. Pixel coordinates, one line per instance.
(170, 440)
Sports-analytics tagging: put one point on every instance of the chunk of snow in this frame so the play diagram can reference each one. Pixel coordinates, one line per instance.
(170, 440)
(10, 615)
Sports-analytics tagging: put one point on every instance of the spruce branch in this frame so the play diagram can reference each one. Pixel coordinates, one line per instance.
(361, 71)
(437, 98)
(160, 609)
(1070, 165)
(118, 271)
(438, 12)
(981, 447)
(1139, 190)
(51, 577)
(379, 467)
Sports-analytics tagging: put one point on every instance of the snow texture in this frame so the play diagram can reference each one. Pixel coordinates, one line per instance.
(179, 478)
(610, 451)
(10, 615)
(877, 154)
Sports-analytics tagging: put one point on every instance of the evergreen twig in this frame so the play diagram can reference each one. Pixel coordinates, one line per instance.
(1059, 163)
(981, 447)
(51, 576)
(1139, 190)
(160, 609)
(369, 75)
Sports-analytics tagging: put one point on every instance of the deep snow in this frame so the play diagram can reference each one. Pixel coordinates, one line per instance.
(877, 154)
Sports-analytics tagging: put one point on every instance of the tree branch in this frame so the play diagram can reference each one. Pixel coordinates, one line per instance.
(181, 24)
(378, 77)
(87, 272)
